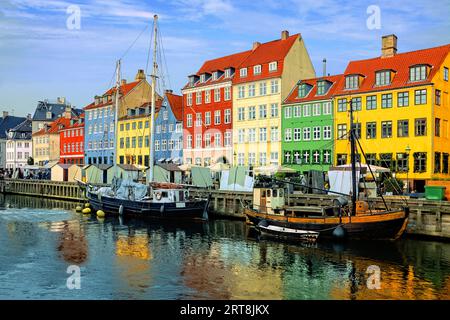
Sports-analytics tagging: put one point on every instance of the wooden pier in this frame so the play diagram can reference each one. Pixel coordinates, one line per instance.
(427, 218)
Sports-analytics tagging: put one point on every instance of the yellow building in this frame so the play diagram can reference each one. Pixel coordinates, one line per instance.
(134, 136)
(401, 105)
(262, 81)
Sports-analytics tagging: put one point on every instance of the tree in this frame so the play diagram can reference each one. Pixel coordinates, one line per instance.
(30, 161)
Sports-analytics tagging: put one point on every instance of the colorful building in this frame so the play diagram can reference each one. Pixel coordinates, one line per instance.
(46, 112)
(263, 80)
(6, 122)
(100, 115)
(402, 113)
(207, 116)
(307, 124)
(169, 130)
(19, 145)
(72, 142)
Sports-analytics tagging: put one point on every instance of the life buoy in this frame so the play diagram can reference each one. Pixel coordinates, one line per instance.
(158, 196)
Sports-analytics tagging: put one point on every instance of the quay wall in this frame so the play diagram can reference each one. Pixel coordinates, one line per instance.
(427, 218)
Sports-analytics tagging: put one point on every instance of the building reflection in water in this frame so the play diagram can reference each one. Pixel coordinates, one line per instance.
(73, 245)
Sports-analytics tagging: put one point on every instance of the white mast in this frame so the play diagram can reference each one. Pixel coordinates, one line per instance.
(152, 115)
(116, 113)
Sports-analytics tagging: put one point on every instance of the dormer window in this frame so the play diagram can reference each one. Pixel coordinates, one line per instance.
(303, 90)
(351, 82)
(273, 66)
(48, 115)
(243, 72)
(227, 73)
(418, 73)
(215, 75)
(320, 87)
(202, 78)
(257, 69)
(383, 78)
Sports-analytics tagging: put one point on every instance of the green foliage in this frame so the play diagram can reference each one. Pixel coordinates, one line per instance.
(30, 161)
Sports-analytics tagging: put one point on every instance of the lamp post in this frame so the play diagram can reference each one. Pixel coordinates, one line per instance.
(408, 150)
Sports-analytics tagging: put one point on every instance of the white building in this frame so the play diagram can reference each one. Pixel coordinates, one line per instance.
(19, 145)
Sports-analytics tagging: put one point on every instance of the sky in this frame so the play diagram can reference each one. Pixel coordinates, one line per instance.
(48, 50)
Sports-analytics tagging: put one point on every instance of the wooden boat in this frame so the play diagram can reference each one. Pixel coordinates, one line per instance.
(273, 231)
(344, 219)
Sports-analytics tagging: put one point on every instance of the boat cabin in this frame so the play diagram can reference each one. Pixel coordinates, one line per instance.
(170, 195)
(269, 200)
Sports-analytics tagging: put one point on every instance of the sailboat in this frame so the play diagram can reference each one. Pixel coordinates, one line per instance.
(155, 200)
(345, 219)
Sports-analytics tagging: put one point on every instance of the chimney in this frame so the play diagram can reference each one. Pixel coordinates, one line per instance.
(123, 81)
(5, 114)
(140, 75)
(68, 113)
(169, 91)
(284, 34)
(256, 45)
(324, 67)
(29, 116)
(388, 46)
(61, 100)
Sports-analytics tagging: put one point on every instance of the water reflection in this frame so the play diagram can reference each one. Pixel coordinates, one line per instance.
(221, 259)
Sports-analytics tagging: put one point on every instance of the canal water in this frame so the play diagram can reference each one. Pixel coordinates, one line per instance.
(45, 244)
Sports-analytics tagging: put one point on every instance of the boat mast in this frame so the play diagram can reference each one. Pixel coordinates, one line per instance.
(353, 159)
(152, 114)
(116, 112)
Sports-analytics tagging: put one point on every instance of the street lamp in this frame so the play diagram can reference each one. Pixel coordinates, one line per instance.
(408, 150)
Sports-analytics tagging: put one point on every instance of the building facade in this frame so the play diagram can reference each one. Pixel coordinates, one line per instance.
(100, 118)
(169, 130)
(46, 112)
(307, 124)
(72, 142)
(262, 82)
(207, 111)
(402, 113)
(19, 145)
(7, 122)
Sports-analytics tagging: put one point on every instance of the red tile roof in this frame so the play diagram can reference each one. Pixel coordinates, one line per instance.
(124, 89)
(312, 95)
(400, 63)
(176, 104)
(54, 126)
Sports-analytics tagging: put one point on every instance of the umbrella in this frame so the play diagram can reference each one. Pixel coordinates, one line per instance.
(219, 167)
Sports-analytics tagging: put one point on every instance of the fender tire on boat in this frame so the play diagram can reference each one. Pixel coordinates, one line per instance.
(121, 210)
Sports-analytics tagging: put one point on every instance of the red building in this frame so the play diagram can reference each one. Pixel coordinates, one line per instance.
(207, 111)
(72, 142)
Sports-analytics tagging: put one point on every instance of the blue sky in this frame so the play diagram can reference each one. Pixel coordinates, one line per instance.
(40, 58)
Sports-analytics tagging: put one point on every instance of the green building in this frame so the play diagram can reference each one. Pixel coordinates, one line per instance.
(307, 124)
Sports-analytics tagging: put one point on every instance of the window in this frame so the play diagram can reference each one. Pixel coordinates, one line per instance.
(251, 90)
(198, 119)
(243, 72)
(306, 110)
(189, 142)
(241, 90)
(342, 131)
(288, 134)
(241, 157)
(316, 133)
(437, 127)
(207, 96)
(227, 141)
(306, 134)
(263, 134)
(297, 134)
(198, 97)
(316, 109)
(420, 96)
(189, 120)
(207, 118)
(320, 87)
(207, 140)
(341, 159)
(445, 74)
(227, 73)
(217, 116)
(437, 162)
(251, 113)
(327, 132)
(273, 66)
(262, 158)
(252, 158)
(178, 127)
(189, 99)
(303, 90)
(227, 116)
(262, 89)
(386, 129)
(382, 78)
(438, 97)
(215, 75)
(444, 162)
(241, 116)
(227, 93)
(371, 102)
(202, 78)
(327, 156)
(356, 104)
(274, 86)
(420, 162)
(386, 101)
(133, 126)
(287, 112)
(420, 127)
(216, 95)
(263, 111)
(274, 110)
(316, 156)
(274, 134)
(198, 140)
(257, 69)
(357, 130)
(252, 135)
(351, 82)
(274, 157)
(297, 111)
(371, 130)
(241, 135)
(170, 126)
(402, 128)
(417, 73)
(403, 99)
(342, 105)
(327, 108)
(386, 160)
